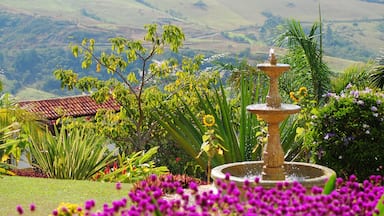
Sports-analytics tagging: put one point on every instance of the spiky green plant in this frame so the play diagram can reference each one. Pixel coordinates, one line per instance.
(72, 153)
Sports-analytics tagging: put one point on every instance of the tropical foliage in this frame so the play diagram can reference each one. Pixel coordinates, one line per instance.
(15, 124)
(76, 153)
(305, 53)
(186, 125)
(357, 75)
(132, 168)
(378, 71)
(136, 90)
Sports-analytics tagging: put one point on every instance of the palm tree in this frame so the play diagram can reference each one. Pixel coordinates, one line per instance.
(305, 54)
(357, 75)
(377, 76)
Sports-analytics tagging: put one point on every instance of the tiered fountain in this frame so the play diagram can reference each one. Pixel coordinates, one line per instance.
(273, 169)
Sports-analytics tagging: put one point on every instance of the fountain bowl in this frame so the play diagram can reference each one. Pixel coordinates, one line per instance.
(306, 174)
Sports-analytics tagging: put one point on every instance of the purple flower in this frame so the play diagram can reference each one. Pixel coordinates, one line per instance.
(55, 212)
(193, 186)
(89, 204)
(20, 209)
(118, 186)
(355, 94)
(153, 178)
(374, 109)
(329, 135)
(32, 207)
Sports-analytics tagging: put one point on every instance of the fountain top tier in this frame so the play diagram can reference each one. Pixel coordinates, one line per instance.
(272, 68)
(273, 107)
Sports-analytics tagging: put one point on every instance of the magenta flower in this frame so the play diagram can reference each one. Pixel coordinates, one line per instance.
(20, 209)
(32, 207)
(118, 186)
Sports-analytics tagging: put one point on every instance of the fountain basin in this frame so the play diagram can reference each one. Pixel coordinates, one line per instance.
(307, 174)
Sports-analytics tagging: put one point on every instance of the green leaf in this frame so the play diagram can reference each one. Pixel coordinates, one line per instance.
(380, 206)
(132, 78)
(330, 185)
(75, 51)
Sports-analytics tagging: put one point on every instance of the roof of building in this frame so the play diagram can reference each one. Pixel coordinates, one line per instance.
(75, 106)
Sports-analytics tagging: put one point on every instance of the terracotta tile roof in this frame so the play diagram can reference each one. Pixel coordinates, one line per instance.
(75, 106)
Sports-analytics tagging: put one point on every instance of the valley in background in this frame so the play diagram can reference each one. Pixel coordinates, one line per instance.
(35, 34)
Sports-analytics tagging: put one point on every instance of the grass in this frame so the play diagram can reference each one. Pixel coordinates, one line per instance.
(47, 194)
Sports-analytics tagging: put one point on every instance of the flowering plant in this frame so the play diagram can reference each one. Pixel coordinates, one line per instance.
(302, 98)
(348, 133)
(68, 209)
(350, 197)
(132, 168)
(211, 143)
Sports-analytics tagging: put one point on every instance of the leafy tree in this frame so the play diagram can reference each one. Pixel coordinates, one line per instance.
(131, 89)
(140, 89)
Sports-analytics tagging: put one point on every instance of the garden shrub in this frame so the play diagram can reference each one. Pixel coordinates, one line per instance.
(72, 153)
(348, 133)
(129, 169)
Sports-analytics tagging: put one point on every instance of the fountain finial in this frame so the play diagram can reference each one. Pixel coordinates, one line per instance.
(272, 57)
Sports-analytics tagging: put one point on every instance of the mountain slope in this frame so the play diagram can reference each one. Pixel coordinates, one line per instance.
(207, 19)
(34, 34)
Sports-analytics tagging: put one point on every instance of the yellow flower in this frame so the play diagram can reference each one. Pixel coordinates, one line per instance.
(303, 91)
(208, 120)
(293, 96)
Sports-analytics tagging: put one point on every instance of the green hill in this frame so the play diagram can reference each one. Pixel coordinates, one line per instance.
(39, 31)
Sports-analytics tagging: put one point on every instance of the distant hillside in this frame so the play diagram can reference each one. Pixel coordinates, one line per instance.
(205, 20)
(34, 34)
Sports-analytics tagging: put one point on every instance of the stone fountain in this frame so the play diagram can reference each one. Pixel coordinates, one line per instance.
(273, 169)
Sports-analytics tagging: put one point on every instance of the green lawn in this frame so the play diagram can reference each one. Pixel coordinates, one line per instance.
(47, 194)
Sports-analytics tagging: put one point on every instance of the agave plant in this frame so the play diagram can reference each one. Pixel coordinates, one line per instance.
(72, 153)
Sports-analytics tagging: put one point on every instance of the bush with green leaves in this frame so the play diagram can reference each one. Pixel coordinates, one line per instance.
(72, 153)
(348, 133)
(132, 168)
